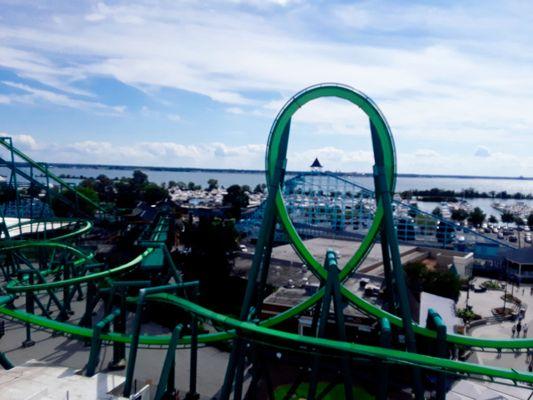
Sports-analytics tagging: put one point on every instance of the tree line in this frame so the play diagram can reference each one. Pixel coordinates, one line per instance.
(436, 194)
(476, 217)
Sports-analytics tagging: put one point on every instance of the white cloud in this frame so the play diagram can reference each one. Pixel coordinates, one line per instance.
(25, 142)
(426, 153)
(482, 151)
(22, 141)
(32, 95)
(174, 117)
(95, 17)
(332, 117)
(223, 155)
(442, 81)
(213, 154)
(332, 158)
(235, 110)
(266, 3)
(32, 65)
(226, 53)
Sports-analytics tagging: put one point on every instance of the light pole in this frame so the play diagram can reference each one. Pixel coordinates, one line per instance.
(469, 278)
(505, 292)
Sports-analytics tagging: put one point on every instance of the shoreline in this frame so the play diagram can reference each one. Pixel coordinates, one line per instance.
(259, 171)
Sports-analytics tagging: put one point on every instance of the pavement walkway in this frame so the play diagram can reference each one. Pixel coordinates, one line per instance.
(482, 304)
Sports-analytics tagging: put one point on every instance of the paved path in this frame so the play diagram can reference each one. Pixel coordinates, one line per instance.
(482, 304)
(72, 353)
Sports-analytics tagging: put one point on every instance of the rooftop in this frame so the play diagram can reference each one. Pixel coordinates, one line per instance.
(345, 249)
(520, 256)
(38, 380)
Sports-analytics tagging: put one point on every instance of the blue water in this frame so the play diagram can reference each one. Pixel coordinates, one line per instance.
(253, 178)
(229, 178)
(403, 183)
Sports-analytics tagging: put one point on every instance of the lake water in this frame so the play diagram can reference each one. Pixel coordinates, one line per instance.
(253, 178)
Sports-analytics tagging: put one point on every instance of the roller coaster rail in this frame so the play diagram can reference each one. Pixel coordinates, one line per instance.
(71, 271)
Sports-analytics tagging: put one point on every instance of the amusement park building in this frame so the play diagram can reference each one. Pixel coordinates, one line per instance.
(520, 264)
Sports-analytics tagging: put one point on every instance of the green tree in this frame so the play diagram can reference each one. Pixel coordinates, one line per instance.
(104, 186)
(191, 186)
(476, 217)
(507, 217)
(139, 178)
(212, 184)
(441, 283)
(493, 219)
(126, 194)
(34, 190)
(211, 243)
(530, 220)
(459, 214)
(259, 188)
(246, 188)
(237, 199)
(426, 224)
(181, 185)
(62, 209)
(519, 221)
(437, 212)
(153, 193)
(413, 210)
(7, 193)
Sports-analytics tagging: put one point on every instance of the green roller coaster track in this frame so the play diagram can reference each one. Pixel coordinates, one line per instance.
(247, 327)
(64, 185)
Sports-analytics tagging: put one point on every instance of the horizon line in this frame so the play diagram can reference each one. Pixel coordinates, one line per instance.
(254, 171)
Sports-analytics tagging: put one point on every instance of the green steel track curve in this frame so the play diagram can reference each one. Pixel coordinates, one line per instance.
(271, 336)
(264, 329)
(85, 226)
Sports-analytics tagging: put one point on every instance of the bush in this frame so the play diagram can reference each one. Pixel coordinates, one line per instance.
(237, 199)
(7, 193)
(492, 285)
(467, 314)
(510, 298)
(152, 193)
(62, 209)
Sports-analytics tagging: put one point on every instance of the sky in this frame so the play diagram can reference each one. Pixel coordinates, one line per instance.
(198, 84)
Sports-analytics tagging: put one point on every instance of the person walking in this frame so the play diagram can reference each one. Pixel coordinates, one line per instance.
(518, 329)
(513, 330)
(525, 328)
